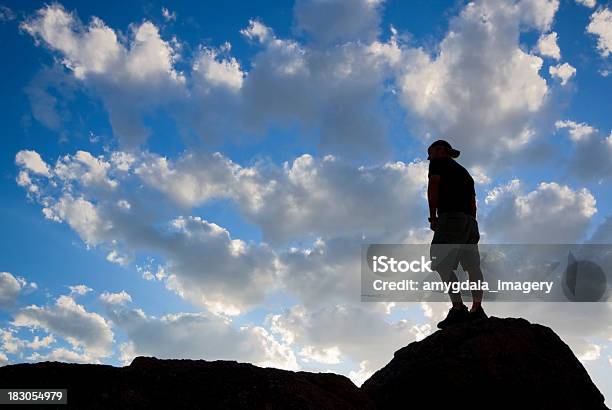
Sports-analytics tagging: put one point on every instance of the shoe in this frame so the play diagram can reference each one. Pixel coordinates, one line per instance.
(478, 314)
(455, 316)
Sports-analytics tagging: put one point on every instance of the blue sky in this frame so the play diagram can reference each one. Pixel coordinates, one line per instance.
(243, 152)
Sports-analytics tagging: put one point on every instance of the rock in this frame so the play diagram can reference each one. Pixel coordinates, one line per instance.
(187, 384)
(491, 364)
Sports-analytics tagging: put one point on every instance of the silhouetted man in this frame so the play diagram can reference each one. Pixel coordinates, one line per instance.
(452, 217)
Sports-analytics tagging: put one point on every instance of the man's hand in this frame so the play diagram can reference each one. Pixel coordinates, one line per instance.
(433, 223)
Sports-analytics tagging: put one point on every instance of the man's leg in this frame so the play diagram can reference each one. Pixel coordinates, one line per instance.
(459, 312)
(449, 277)
(475, 275)
(472, 258)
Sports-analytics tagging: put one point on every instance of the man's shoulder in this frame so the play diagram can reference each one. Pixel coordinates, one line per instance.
(457, 165)
(438, 166)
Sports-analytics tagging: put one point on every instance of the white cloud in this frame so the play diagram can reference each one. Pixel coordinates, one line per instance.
(62, 354)
(220, 73)
(81, 215)
(168, 15)
(82, 329)
(350, 77)
(481, 90)
(14, 345)
(362, 374)
(287, 203)
(80, 290)
(601, 26)
(330, 355)
(119, 298)
(216, 98)
(479, 175)
(293, 201)
(516, 217)
(199, 336)
(237, 275)
(562, 71)
(11, 343)
(10, 287)
(361, 332)
(587, 3)
(114, 257)
(39, 343)
(592, 352)
(129, 77)
(257, 31)
(547, 45)
(538, 13)
(32, 161)
(85, 168)
(577, 131)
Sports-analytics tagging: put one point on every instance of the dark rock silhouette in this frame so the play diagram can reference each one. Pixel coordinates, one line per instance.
(491, 364)
(149, 383)
(497, 363)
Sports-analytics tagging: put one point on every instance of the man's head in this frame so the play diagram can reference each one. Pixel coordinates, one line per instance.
(441, 149)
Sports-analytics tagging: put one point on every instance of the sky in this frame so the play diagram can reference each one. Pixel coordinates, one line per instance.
(195, 180)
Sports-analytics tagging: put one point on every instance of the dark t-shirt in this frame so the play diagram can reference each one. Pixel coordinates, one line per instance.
(456, 185)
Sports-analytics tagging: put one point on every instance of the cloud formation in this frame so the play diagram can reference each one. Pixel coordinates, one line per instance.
(601, 27)
(481, 90)
(82, 329)
(519, 217)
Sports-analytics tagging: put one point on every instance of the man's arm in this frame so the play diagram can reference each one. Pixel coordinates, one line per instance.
(432, 197)
(473, 205)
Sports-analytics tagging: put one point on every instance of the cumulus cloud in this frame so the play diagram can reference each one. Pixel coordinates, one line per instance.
(533, 217)
(9, 289)
(79, 290)
(577, 131)
(234, 267)
(340, 89)
(601, 27)
(32, 162)
(61, 354)
(338, 21)
(293, 201)
(82, 329)
(81, 215)
(341, 73)
(587, 3)
(288, 202)
(562, 71)
(547, 45)
(127, 77)
(216, 98)
(198, 336)
(481, 90)
(358, 332)
(115, 298)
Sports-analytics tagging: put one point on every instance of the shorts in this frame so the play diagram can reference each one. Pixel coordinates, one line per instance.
(455, 241)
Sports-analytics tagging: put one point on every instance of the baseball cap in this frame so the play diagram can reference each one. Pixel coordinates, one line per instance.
(454, 153)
